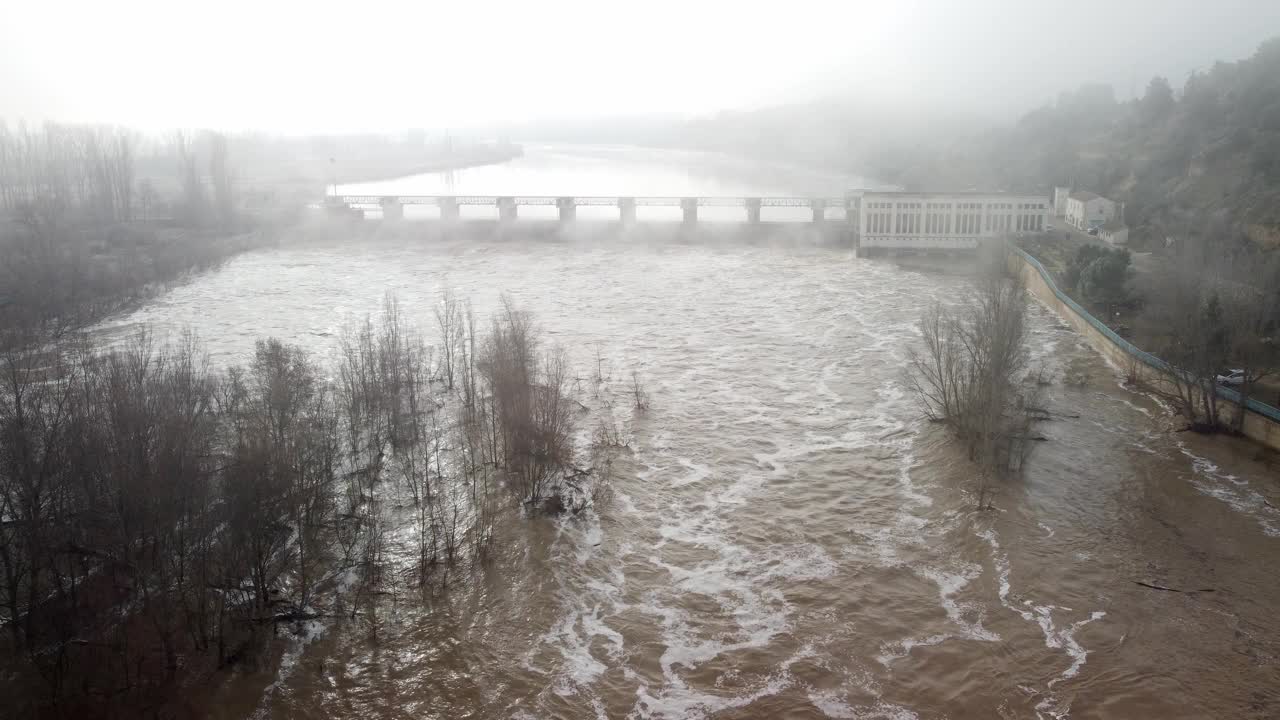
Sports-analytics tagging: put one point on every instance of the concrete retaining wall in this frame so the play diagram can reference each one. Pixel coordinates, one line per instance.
(1257, 426)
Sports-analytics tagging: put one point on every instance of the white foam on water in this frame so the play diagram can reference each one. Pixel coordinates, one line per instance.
(311, 630)
(949, 583)
(745, 581)
(907, 531)
(1143, 447)
(1131, 405)
(572, 641)
(901, 436)
(1067, 638)
(965, 616)
(677, 700)
(1055, 638)
(624, 502)
(887, 543)
(823, 388)
(1232, 490)
(797, 563)
(592, 538)
(833, 707)
(736, 579)
(688, 529)
(816, 444)
(697, 473)
(907, 485)
(902, 648)
(737, 493)
(585, 607)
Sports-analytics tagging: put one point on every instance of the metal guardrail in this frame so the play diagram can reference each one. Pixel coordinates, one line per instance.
(1147, 358)
(581, 200)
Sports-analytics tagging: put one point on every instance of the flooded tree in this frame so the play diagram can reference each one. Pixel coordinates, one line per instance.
(450, 322)
(153, 511)
(533, 420)
(971, 375)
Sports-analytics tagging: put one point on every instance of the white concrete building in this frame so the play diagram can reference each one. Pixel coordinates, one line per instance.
(1086, 210)
(1060, 195)
(1115, 232)
(944, 221)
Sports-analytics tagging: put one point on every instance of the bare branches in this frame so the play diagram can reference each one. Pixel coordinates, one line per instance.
(971, 376)
(449, 319)
(639, 397)
(532, 408)
(1215, 313)
(66, 169)
(209, 504)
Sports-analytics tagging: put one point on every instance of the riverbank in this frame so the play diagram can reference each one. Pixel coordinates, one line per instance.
(470, 157)
(1137, 366)
(60, 280)
(299, 178)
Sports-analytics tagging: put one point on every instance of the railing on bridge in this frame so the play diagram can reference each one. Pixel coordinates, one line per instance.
(393, 206)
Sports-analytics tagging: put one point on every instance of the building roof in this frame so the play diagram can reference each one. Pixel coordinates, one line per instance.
(1084, 195)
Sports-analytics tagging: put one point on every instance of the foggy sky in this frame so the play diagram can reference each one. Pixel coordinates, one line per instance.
(294, 66)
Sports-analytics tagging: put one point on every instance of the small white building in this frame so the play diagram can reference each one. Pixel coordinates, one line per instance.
(1115, 232)
(1087, 210)
(944, 221)
(1060, 195)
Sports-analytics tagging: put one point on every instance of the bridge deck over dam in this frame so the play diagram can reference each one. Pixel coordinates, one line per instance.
(870, 220)
(450, 206)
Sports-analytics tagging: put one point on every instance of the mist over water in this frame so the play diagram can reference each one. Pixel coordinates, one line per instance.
(787, 537)
(619, 171)
(605, 171)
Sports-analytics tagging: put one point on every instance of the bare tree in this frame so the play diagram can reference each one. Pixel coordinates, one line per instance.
(971, 375)
(1213, 312)
(152, 510)
(1251, 309)
(449, 319)
(221, 179)
(195, 208)
(639, 396)
(148, 199)
(533, 422)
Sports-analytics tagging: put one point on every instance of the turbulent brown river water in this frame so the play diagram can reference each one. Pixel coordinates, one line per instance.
(789, 539)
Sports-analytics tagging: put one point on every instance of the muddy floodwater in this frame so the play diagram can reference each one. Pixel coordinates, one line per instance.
(787, 538)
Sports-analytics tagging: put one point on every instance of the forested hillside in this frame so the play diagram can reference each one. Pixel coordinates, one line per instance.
(1200, 159)
(1203, 159)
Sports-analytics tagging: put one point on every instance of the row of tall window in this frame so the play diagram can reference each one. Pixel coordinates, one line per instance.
(954, 206)
(1030, 223)
(940, 218)
(999, 223)
(879, 222)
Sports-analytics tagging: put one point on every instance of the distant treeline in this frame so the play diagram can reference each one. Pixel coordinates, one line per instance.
(91, 173)
(93, 217)
(77, 175)
(159, 518)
